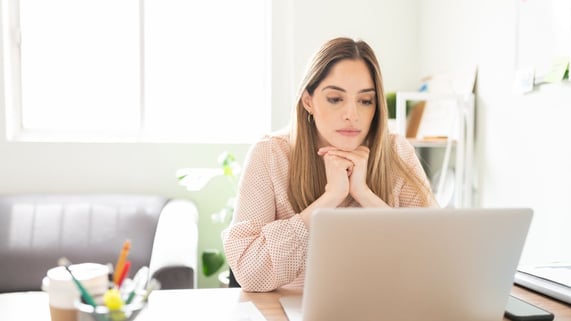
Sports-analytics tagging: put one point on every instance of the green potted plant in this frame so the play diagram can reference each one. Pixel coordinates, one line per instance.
(213, 259)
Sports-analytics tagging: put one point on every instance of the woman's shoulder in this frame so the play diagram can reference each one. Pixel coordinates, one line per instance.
(403, 147)
(400, 143)
(276, 143)
(278, 138)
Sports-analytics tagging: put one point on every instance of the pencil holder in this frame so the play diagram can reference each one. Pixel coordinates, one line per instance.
(129, 312)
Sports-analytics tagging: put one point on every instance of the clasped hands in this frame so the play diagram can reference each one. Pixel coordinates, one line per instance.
(346, 172)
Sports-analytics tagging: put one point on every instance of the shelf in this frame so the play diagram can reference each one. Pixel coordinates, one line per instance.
(455, 139)
(430, 142)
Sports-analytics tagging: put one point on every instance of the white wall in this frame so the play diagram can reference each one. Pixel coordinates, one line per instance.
(522, 140)
(389, 26)
(299, 27)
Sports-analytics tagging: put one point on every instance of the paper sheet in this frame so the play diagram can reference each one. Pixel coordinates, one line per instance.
(292, 307)
(559, 273)
(247, 311)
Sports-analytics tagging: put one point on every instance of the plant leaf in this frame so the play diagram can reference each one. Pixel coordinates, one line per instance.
(212, 261)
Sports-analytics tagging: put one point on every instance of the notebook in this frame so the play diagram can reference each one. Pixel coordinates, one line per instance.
(553, 279)
(410, 264)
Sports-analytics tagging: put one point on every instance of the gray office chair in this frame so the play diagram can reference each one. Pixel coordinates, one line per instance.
(232, 283)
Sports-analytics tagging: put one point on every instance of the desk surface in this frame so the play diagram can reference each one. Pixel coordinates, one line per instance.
(217, 304)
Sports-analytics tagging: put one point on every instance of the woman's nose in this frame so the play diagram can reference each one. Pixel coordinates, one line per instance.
(351, 112)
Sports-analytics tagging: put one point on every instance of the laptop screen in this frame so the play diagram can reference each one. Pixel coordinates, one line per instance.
(449, 264)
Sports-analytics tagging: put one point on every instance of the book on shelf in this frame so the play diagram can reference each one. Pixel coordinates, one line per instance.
(439, 120)
(414, 119)
(436, 118)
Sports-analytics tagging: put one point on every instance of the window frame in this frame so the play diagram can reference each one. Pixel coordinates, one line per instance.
(10, 40)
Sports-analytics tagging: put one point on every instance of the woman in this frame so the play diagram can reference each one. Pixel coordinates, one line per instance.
(338, 153)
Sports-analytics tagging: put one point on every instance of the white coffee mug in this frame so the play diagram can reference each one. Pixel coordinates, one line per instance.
(63, 292)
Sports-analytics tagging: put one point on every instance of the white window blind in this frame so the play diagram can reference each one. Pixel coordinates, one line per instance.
(137, 70)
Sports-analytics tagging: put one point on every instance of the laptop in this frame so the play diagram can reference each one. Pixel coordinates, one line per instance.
(410, 264)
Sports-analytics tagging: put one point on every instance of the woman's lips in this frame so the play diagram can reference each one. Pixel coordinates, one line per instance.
(349, 132)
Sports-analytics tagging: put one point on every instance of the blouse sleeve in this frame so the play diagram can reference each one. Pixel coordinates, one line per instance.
(409, 196)
(264, 251)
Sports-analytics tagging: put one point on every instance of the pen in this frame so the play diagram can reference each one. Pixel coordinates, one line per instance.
(131, 297)
(121, 261)
(110, 275)
(123, 273)
(84, 294)
(153, 284)
(139, 282)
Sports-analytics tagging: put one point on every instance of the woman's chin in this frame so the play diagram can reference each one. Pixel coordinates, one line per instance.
(346, 147)
(343, 143)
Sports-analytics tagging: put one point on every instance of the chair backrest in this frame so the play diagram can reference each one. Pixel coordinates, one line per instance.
(37, 229)
(232, 283)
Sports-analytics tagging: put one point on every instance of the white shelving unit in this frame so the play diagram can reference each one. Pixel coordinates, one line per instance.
(459, 137)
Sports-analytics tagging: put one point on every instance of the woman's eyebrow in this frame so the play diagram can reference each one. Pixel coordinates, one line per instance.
(343, 90)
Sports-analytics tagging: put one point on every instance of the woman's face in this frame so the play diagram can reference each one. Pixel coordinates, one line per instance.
(343, 105)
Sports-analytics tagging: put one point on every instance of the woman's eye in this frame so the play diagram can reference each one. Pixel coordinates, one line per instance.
(367, 101)
(334, 100)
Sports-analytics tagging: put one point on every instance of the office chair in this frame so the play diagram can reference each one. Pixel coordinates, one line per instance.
(232, 283)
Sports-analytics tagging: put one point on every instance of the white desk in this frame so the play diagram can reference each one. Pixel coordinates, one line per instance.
(200, 304)
(212, 304)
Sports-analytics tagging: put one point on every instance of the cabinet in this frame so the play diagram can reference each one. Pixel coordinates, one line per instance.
(447, 153)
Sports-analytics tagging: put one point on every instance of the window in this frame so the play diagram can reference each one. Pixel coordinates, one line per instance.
(137, 70)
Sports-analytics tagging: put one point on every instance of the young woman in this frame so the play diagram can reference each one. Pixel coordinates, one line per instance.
(338, 153)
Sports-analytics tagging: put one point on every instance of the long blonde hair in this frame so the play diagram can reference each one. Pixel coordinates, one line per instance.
(307, 178)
